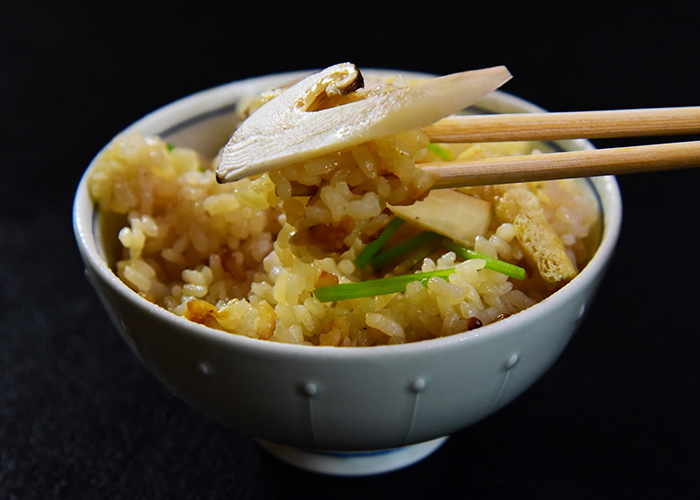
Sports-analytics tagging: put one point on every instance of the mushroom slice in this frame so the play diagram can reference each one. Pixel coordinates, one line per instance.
(292, 128)
(472, 215)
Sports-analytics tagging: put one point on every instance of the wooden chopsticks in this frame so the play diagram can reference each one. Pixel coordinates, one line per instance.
(569, 125)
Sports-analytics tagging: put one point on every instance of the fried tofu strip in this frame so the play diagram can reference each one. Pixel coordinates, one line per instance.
(543, 247)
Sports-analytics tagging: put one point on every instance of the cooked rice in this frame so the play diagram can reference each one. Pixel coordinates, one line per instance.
(245, 257)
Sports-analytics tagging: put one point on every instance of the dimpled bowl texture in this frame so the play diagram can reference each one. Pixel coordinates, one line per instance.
(347, 411)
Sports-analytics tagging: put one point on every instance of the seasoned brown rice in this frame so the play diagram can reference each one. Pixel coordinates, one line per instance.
(246, 257)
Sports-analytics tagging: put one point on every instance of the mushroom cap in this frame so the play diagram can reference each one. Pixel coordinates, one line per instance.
(288, 129)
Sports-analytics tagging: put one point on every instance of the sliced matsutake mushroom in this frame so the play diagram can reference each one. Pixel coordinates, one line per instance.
(471, 215)
(291, 127)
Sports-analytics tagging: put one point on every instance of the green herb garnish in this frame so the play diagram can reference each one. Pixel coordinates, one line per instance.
(373, 247)
(384, 286)
(494, 264)
(397, 284)
(169, 147)
(407, 246)
(442, 152)
(415, 258)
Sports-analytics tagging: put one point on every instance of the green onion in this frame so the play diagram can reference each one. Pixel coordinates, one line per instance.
(384, 286)
(440, 151)
(415, 258)
(494, 264)
(397, 284)
(407, 246)
(372, 248)
(169, 147)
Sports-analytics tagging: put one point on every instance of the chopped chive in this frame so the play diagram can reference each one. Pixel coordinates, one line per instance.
(440, 151)
(169, 147)
(407, 246)
(383, 286)
(415, 258)
(494, 264)
(373, 247)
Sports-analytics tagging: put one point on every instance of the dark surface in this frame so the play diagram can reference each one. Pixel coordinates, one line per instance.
(618, 416)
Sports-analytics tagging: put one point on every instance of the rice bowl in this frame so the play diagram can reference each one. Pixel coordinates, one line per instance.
(325, 398)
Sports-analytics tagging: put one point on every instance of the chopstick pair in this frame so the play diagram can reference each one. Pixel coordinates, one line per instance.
(568, 125)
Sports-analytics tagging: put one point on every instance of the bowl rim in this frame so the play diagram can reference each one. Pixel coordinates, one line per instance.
(205, 102)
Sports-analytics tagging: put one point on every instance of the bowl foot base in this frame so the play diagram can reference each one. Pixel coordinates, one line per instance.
(358, 463)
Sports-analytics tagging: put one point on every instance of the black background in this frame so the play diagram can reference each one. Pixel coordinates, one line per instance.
(618, 416)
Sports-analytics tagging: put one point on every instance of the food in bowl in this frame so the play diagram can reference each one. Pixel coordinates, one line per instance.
(370, 256)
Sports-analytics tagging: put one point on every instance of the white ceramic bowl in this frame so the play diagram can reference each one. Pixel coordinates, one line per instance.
(347, 411)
